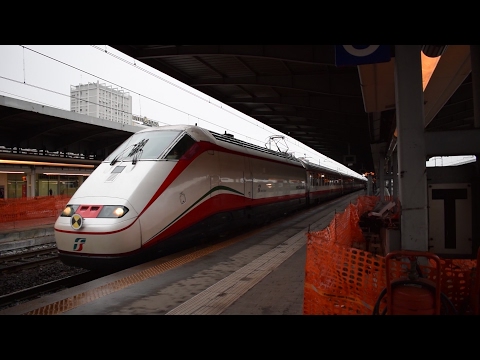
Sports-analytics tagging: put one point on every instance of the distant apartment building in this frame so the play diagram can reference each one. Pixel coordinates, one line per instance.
(101, 101)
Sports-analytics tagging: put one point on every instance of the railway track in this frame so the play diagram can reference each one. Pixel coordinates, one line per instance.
(49, 287)
(27, 259)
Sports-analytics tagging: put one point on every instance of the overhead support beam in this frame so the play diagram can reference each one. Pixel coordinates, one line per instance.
(323, 84)
(377, 83)
(317, 54)
(324, 116)
(347, 105)
(452, 69)
(452, 143)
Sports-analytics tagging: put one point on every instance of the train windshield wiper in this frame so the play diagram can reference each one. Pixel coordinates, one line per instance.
(135, 151)
(137, 147)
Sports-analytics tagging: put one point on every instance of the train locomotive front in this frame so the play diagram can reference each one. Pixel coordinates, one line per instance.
(108, 221)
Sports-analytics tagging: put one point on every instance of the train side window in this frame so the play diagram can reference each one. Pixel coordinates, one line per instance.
(180, 147)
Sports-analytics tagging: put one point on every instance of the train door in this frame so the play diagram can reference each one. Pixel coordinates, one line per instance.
(231, 178)
(247, 179)
(214, 171)
(309, 185)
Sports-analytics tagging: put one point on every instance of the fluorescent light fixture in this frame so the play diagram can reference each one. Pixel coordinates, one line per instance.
(39, 163)
(66, 174)
(12, 172)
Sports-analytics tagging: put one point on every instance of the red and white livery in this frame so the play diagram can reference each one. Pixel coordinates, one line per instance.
(168, 187)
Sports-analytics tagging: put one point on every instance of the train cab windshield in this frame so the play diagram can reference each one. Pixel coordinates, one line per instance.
(152, 145)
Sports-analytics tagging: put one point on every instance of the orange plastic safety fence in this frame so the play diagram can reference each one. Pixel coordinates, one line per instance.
(365, 203)
(457, 279)
(26, 212)
(348, 281)
(343, 279)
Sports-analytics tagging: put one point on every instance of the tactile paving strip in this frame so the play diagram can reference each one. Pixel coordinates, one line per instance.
(218, 297)
(90, 295)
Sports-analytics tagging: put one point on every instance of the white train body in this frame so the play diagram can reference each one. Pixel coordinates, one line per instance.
(215, 185)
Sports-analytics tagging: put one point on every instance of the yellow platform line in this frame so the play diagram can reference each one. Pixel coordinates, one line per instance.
(93, 294)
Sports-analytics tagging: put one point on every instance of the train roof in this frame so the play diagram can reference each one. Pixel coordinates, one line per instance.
(199, 134)
(228, 138)
(209, 135)
(315, 167)
(311, 166)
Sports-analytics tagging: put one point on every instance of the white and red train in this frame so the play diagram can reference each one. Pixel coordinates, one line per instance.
(169, 187)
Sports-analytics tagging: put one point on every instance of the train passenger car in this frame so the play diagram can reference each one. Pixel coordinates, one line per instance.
(324, 183)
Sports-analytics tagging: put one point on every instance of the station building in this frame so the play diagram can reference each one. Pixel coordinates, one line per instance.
(30, 170)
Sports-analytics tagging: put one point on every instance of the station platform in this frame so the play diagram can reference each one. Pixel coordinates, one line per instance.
(24, 236)
(261, 272)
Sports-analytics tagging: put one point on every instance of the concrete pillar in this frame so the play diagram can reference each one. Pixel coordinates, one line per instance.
(411, 148)
(32, 180)
(369, 185)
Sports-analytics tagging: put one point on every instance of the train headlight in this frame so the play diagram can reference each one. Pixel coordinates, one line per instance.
(69, 210)
(112, 211)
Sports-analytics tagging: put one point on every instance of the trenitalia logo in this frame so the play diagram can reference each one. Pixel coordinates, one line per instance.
(78, 246)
